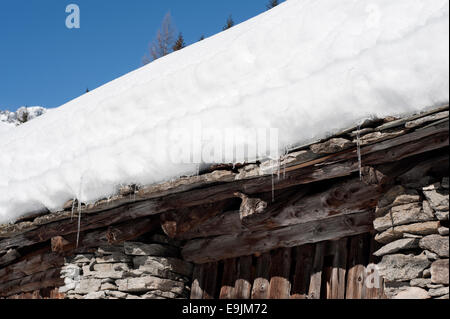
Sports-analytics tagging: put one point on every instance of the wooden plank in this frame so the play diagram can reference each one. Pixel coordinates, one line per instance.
(9, 257)
(316, 273)
(229, 279)
(339, 268)
(389, 151)
(376, 289)
(346, 197)
(243, 285)
(210, 280)
(31, 265)
(357, 270)
(280, 286)
(49, 278)
(248, 243)
(261, 283)
(197, 282)
(304, 261)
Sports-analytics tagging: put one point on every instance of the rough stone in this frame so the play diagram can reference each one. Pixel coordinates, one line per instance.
(427, 119)
(389, 197)
(435, 243)
(396, 246)
(87, 286)
(443, 231)
(397, 232)
(95, 295)
(427, 273)
(401, 215)
(108, 286)
(331, 146)
(442, 216)
(113, 258)
(430, 255)
(111, 267)
(434, 286)
(412, 293)
(139, 249)
(148, 283)
(84, 258)
(438, 198)
(172, 264)
(420, 282)
(439, 272)
(402, 267)
(445, 182)
(443, 297)
(438, 292)
(116, 294)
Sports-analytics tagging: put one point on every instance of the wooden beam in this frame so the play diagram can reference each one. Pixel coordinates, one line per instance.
(260, 289)
(280, 267)
(316, 273)
(197, 282)
(210, 280)
(229, 279)
(339, 268)
(393, 150)
(249, 243)
(345, 197)
(243, 285)
(304, 261)
(357, 270)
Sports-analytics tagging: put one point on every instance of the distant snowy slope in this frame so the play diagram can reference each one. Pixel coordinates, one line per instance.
(23, 114)
(307, 67)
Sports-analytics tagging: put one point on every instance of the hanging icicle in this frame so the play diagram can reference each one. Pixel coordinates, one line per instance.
(79, 212)
(358, 147)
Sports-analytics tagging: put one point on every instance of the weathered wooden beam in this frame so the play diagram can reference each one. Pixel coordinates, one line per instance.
(303, 266)
(229, 279)
(49, 278)
(197, 282)
(175, 223)
(345, 197)
(243, 285)
(9, 257)
(418, 142)
(260, 289)
(248, 243)
(357, 270)
(339, 269)
(280, 267)
(316, 273)
(30, 266)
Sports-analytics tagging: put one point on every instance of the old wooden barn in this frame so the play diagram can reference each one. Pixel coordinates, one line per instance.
(361, 214)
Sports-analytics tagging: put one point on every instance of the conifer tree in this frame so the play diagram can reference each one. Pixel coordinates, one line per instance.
(272, 4)
(230, 23)
(179, 44)
(164, 41)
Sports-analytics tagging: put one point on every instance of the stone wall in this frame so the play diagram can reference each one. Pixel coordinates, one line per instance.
(131, 270)
(412, 222)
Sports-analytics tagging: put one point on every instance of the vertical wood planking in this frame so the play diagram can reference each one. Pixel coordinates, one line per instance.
(303, 265)
(316, 273)
(243, 286)
(210, 280)
(261, 283)
(280, 286)
(228, 279)
(376, 291)
(197, 282)
(356, 272)
(339, 269)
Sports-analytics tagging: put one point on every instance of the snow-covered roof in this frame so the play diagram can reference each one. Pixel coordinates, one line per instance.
(307, 68)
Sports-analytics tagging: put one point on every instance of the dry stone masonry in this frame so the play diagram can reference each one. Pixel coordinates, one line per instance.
(412, 224)
(131, 270)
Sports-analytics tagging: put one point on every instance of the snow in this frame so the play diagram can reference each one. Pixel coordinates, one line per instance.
(10, 119)
(307, 67)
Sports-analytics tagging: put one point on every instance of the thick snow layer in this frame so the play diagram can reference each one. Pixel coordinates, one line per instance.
(307, 67)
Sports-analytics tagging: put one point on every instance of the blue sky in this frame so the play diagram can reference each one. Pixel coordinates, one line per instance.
(44, 63)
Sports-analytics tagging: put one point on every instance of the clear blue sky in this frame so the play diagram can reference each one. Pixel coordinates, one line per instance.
(44, 63)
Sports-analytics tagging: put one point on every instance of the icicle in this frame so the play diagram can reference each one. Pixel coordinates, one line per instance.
(79, 222)
(273, 187)
(73, 208)
(358, 147)
(79, 212)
